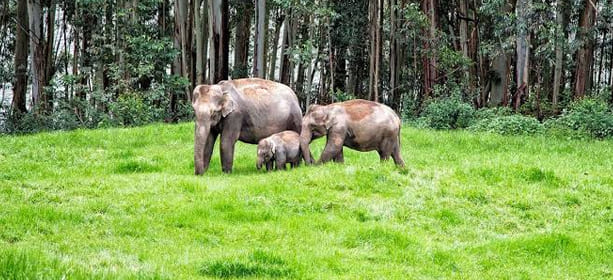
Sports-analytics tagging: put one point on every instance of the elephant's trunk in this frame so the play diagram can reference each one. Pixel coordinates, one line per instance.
(201, 135)
(305, 140)
(260, 162)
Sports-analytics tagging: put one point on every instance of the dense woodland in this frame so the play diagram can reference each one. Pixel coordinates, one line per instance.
(91, 63)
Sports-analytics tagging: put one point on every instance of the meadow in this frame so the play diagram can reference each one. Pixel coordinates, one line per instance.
(124, 204)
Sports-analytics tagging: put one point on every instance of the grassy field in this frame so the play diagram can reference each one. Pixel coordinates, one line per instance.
(123, 203)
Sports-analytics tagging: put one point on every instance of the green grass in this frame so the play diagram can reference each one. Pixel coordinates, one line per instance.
(123, 204)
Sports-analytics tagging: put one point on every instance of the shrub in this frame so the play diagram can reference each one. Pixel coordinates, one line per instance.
(491, 113)
(589, 116)
(509, 125)
(449, 113)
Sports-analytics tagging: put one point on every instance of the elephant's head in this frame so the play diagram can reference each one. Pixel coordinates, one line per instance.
(211, 104)
(266, 151)
(315, 124)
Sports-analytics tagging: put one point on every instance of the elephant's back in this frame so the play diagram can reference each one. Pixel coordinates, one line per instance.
(272, 107)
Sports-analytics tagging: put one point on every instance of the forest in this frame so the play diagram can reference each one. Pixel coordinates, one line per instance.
(99, 63)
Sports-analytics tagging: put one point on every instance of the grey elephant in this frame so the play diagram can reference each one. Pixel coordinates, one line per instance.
(280, 148)
(244, 109)
(358, 124)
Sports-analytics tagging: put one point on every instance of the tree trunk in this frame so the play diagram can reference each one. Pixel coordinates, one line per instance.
(522, 52)
(219, 39)
(37, 49)
(499, 91)
(241, 39)
(584, 56)
(286, 46)
(559, 50)
(200, 23)
(20, 85)
(430, 9)
(375, 49)
(260, 35)
(273, 56)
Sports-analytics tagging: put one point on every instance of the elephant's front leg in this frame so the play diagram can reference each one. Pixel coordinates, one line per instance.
(229, 136)
(280, 161)
(334, 146)
(339, 157)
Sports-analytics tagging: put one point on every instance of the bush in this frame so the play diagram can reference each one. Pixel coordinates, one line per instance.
(491, 113)
(509, 125)
(449, 113)
(589, 116)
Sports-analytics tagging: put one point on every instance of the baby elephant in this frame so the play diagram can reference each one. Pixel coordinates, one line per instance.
(280, 148)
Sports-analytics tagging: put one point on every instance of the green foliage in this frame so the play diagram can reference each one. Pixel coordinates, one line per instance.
(448, 113)
(490, 113)
(509, 125)
(590, 116)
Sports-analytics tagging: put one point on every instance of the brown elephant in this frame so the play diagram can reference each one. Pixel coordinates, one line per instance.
(244, 109)
(358, 124)
(280, 148)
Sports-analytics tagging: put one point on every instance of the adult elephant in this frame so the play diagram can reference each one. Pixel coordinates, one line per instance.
(358, 124)
(245, 109)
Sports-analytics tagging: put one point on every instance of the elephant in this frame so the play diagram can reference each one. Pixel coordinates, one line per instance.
(358, 124)
(280, 148)
(247, 109)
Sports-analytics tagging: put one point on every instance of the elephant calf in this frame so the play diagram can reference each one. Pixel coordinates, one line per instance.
(280, 148)
(358, 124)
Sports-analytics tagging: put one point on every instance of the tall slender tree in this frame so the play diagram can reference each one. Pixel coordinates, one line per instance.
(260, 38)
(584, 55)
(21, 59)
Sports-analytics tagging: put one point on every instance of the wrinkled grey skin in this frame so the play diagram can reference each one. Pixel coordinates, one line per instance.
(279, 148)
(244, 109)
(358, 124)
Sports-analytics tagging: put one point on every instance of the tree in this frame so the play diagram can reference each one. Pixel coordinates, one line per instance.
(522, 51)
(584, 55)
(429, 8)
(374, 9)
(201, 24)
(219, 40)
(41, 48)
(242, 32)
(260, 36)
(561, 27)
(21, 59)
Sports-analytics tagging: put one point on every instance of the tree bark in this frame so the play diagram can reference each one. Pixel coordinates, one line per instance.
(375, 49)
(219, 39)
(37, 49)
(561, 23)
(260, 35)
(241, 39)
(286, 46)
(274, 50)
(20, 85)
(522, 52)
(430, 9)
(584, 56)
(200, 23)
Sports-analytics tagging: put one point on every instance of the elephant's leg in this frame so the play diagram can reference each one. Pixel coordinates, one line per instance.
(339, 157)
(229, 136)
(385, 149)
(269, 165)
(334, 145)
(280, 161)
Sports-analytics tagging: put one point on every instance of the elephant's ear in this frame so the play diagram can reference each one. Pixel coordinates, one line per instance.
(199, 91)
(312, 107)
(329, 120)
(227, 105)
(273, 147)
